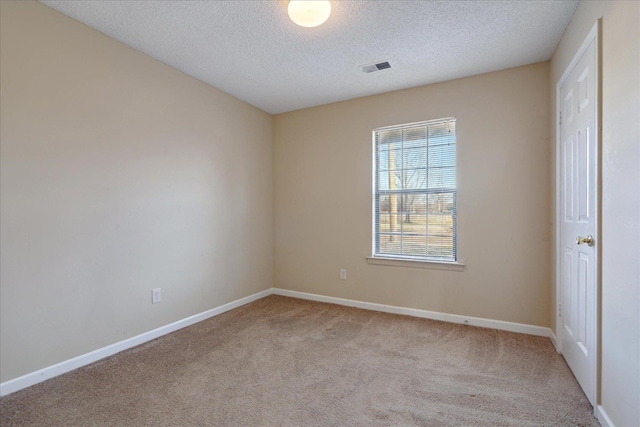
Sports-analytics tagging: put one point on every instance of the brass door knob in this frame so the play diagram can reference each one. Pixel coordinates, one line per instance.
(588, 240)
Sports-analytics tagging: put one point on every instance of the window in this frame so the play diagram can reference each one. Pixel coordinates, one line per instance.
(415, 191)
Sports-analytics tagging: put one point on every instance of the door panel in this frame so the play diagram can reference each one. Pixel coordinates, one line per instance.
(583, 90)
(583, 273)
(567, 315)
(583, 175)
(578, 194)
(568, 180)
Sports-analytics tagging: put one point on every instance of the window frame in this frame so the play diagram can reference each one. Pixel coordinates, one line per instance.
(379, 258)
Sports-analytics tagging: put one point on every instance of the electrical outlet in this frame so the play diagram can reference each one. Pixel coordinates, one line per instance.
(156, 296)
(343, 274)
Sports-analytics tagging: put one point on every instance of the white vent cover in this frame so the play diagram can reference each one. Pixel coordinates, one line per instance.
(376, 67)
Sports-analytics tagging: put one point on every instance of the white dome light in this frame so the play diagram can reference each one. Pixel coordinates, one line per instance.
(309, 13)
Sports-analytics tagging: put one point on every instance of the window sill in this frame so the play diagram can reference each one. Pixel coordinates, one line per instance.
(415, 263)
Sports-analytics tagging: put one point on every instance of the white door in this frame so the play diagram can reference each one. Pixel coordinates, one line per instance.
(578, 219)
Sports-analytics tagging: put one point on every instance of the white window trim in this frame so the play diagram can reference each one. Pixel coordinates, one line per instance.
(416, 263)
(387, 260)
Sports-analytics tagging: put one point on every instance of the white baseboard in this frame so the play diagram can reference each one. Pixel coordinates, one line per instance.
(603, 418)
(36, 377)
(434, 315)
(44, 374)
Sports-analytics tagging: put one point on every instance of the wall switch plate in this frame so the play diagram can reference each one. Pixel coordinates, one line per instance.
(156, 295)
(343, 274)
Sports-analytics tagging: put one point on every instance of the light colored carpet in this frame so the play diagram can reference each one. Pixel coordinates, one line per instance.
(287, 362)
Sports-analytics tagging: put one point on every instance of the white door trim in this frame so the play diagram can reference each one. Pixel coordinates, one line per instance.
(594, 34)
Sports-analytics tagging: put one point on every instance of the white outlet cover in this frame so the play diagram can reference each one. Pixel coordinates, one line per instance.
(343, 274)
(156, 295)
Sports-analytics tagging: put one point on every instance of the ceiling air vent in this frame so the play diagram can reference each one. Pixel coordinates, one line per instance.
(376, 67)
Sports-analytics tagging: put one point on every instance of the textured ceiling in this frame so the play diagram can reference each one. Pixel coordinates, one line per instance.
(251, 50)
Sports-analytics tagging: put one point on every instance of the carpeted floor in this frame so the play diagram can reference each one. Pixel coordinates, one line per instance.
(287, 362)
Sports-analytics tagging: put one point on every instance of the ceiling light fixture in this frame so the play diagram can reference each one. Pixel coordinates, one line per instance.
(309, 13)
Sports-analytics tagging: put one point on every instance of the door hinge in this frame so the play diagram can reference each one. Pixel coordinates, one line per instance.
(559, 310)
(560, 119)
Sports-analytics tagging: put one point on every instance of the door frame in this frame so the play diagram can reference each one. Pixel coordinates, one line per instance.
(594, 35)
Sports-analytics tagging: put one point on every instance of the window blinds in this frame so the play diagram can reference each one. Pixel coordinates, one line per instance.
(415, 191)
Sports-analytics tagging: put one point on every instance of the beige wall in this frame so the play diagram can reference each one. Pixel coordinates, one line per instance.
(119, 175)
(323, 197)
(620, 238)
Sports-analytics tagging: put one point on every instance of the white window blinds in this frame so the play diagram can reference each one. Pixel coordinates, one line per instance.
(415, 191)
